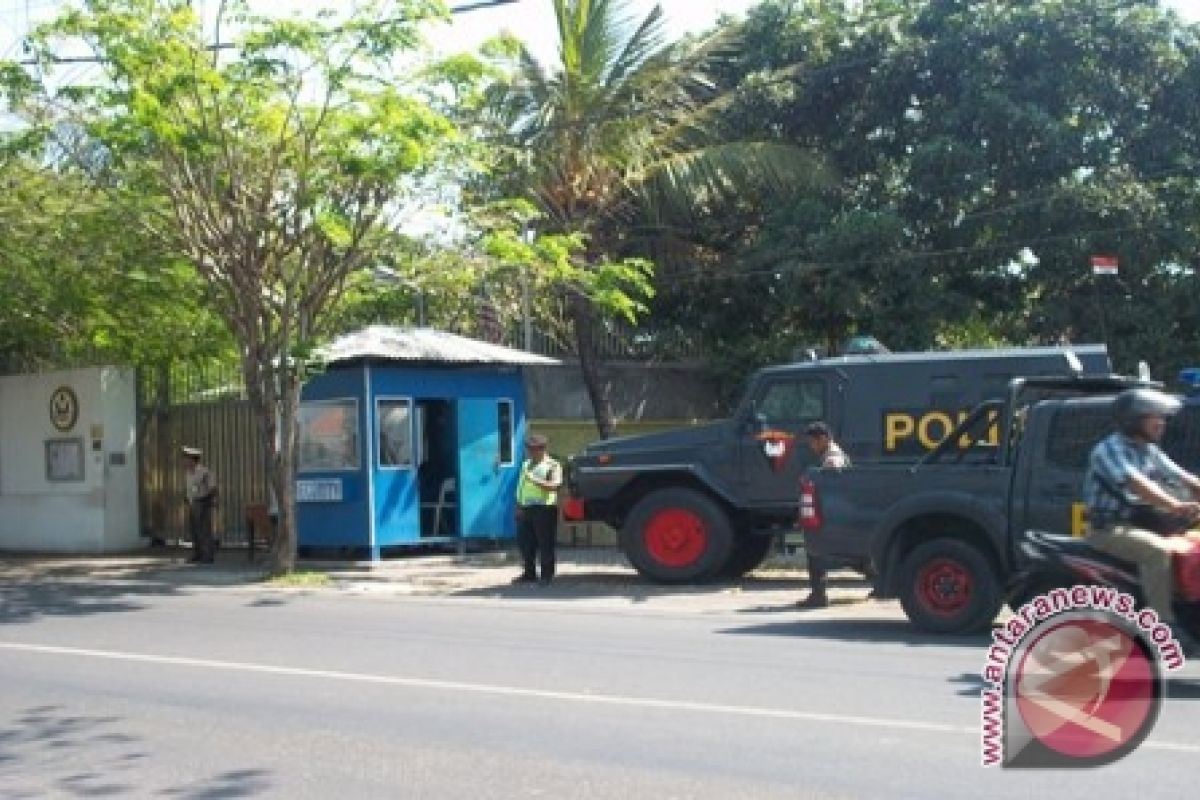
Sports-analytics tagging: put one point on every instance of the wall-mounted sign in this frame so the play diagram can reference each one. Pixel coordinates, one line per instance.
(64, 460)
(319, 491)
(64, 408)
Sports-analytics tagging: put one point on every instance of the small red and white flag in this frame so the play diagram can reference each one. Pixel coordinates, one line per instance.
(1104, 265)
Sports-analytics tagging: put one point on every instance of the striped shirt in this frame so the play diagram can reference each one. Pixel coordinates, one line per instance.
(1116, 459)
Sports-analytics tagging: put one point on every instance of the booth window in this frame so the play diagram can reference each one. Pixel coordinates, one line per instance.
(504, 420)
(328, 435)
(394, 420)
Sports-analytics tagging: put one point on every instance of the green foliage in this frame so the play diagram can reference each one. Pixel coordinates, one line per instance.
(975, 155)
(274, 174)
(301, 579)
(76, 290)
(623, 128)
(985, 151)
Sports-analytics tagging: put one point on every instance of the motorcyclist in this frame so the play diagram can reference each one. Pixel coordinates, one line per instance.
(1128, 473)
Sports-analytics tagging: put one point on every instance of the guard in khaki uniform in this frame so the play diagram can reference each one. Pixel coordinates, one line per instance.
(201, 495)
(537, 511)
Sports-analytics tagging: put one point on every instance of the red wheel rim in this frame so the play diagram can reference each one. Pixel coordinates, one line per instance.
(944, 586)
(675, 537)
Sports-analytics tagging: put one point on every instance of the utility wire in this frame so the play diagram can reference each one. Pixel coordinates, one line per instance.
(799, 266)
(217, 46)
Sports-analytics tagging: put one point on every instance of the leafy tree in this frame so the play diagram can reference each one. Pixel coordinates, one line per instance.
(984, 151)
(274, 174)
(622, 128)
(83, 284)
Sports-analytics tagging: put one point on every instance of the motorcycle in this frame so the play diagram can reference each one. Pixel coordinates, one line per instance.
(1047, 561)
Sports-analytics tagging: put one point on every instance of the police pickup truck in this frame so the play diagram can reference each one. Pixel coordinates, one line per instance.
(702, 502)
(940, 535)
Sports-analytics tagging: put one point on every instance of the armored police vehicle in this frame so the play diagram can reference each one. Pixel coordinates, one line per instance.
(699, 502)
(942, 535)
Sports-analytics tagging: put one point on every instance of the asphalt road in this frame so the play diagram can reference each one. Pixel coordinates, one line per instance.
(139, 690)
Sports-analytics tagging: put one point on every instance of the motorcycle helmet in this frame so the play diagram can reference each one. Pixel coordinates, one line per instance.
(1133, 404)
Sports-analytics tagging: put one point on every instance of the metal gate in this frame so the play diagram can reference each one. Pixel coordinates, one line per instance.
(205, 410)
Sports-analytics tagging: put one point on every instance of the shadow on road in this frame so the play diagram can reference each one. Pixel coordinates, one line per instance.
(1183, 689)
(34, 587)
(860, 630)
(971, 684)
(628, 585)
(37, 586)
(48, 752)
(588, 586)
(30, 601)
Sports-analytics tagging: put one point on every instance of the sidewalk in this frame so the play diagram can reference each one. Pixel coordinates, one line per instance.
(597, 575)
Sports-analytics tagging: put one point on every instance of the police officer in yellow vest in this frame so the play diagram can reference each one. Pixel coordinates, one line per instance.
(537, 511)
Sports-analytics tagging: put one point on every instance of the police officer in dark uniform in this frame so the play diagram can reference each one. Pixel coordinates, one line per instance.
(829, 456)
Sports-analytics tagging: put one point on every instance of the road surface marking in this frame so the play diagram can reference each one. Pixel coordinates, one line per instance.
(517, 691)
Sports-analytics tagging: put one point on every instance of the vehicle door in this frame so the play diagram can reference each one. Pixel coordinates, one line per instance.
(772, 447)
(1053, 456)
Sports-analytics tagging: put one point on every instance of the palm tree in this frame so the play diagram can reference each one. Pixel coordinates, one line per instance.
(625, 124)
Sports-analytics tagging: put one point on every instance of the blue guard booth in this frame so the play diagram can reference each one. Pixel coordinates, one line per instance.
(410, 437)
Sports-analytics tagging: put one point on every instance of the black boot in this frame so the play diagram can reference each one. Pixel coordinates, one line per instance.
(816, 581)
(815, 599)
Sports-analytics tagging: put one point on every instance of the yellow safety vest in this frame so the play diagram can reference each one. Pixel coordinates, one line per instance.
(528, 492)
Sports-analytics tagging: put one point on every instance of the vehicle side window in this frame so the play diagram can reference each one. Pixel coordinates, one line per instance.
(792, 401)
(1073, 433)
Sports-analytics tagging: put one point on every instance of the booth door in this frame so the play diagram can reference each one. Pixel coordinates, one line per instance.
(395, 485)
(487, 474)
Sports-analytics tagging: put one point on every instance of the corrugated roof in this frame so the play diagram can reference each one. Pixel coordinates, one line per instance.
(390, 343)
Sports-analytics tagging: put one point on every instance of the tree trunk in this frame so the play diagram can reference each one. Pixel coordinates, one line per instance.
(283, 555)
(275, 397)
(583, 317)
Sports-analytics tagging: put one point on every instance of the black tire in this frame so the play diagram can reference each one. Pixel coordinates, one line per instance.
(749, 552)
(948, 586)
(677, 536)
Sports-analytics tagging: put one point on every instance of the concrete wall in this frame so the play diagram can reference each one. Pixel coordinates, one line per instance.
(639, 392)
(96, 514)
(118, 393)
